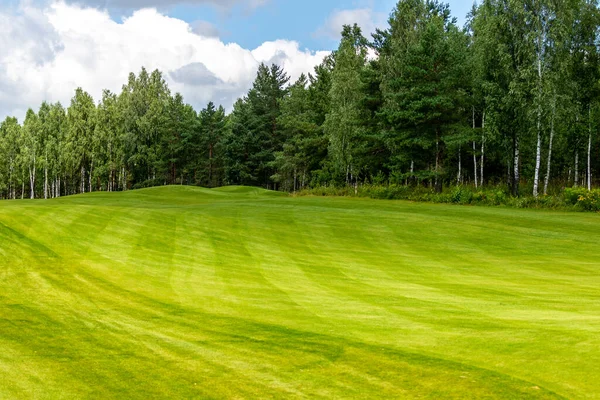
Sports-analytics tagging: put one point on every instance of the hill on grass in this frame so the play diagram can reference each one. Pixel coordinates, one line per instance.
(180, 292)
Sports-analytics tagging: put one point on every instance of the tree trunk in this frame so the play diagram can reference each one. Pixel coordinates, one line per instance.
(474, 154)
(459, 176)
(538, 152)
(548, 167)
(538, 161)
(589, 153)
(482, 148)
(589, 163)
(347, 174)
(475, 165)
(46, 182)
(32, 182)
(516, 172)
(82, 188)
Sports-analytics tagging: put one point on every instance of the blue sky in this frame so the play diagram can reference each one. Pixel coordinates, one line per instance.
(299, 20)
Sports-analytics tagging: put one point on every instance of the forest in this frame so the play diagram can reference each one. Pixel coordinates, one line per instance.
(511, 99)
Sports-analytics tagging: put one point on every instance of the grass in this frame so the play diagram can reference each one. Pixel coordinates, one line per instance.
(179, 292)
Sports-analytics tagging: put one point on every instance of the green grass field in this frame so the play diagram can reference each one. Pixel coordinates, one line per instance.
(181, 292)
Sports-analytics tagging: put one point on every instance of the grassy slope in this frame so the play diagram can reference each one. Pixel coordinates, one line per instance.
(182, 292)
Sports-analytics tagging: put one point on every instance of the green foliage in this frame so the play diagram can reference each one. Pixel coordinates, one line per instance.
(583, 199)
(572, 199)
(343, 122)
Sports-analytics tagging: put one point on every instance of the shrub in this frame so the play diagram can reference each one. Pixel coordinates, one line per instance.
(499, 197)
(480, 197)
(572, 195)
(589, 201)
(575, 198)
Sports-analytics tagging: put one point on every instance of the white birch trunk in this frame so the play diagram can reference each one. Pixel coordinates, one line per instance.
(538, 152)
(32, 179)
(46, 182)
(475, 165)
(482, 148)
(549, 165)
(82, 188)
(459, 176)
(589, 163)
(474, 154)
(30, 184)
(538, 161)
(517, 175)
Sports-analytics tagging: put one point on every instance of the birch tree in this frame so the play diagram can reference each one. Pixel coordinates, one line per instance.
(31, 138)
(342, 123)
(81, 117)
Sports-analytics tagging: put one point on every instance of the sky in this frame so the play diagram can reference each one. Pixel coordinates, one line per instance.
(208, 50)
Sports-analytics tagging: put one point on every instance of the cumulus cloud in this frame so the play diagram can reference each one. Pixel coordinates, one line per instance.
(48, 52)
(206, 29)
(366, 18)
(195, 74)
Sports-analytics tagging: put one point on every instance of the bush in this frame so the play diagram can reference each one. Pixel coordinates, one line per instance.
(589, 201)
(499, 197)
(462, 195)
(572, 195)
(575, 198)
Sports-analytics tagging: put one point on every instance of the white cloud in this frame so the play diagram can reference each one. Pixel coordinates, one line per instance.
(48, 52)
(366, 18)
(222, 4)
(206, 29)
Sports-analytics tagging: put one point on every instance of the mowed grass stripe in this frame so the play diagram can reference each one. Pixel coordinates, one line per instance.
(239, 292)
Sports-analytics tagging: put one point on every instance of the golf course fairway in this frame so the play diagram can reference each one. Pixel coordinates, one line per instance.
(181, 292)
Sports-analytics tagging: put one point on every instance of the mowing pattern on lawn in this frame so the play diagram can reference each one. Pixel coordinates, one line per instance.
(236, 292)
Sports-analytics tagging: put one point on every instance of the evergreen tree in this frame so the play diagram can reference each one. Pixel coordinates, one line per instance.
(425, 88)
(302, 149)
(212, 122)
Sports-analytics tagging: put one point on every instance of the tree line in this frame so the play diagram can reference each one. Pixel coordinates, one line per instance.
(512, 98)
